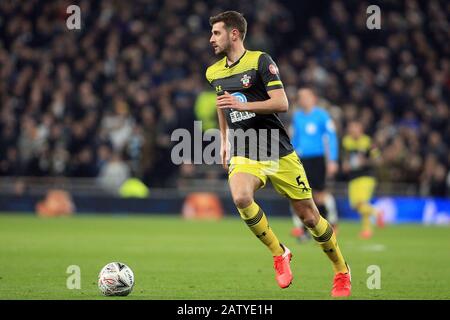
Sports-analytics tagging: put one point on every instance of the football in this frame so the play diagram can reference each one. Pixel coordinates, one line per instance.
(116, 279)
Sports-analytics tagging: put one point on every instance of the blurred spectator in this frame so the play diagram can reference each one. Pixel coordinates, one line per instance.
(84, 165)
(114, 173)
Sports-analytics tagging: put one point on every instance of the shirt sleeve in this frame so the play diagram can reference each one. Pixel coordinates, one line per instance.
(207, 77)
(269, 72)
(330, 132)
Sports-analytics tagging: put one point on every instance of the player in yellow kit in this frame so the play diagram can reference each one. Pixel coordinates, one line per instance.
(250, 94)
(360, 155)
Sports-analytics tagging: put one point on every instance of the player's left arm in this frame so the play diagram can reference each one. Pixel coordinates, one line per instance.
(277, 101)
(332, 144)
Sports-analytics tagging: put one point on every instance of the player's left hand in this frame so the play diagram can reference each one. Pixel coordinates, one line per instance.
(227, 101)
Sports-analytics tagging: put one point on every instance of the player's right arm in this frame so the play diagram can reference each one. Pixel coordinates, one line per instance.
(224, 145)
(331, 145)
(223, 126)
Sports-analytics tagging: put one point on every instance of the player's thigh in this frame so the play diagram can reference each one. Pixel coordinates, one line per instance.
(290, 179)
(360, 190)
(240, 164)
(243, 186)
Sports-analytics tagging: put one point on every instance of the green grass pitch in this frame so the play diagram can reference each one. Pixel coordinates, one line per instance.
(177, 259)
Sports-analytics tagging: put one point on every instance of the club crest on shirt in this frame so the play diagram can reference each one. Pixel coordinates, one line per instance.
(246, 81)
(273, 69)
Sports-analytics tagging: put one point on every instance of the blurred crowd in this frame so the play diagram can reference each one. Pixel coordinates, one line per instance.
(103, 101)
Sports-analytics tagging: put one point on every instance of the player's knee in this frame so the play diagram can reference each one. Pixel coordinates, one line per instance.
(310, 220)
(307, 212)
(242, 200)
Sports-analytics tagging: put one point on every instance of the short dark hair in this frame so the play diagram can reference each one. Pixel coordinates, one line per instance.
(310, 88)
(232, 20)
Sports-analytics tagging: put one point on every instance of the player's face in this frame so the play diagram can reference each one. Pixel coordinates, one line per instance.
(220, 38)
(355, 129)
(306, 99)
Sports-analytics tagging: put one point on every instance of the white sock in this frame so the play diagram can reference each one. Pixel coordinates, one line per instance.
(330, 204)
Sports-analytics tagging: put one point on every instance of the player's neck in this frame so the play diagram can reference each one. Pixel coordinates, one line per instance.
(308, 109)
(235, 54)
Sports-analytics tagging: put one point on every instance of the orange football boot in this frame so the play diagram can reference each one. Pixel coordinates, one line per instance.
(297, 232)
(366, 234)
(342, 284)
(282, 266)
(380, 219)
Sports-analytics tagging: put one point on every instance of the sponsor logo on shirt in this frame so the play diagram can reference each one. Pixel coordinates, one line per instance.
(273, 69)
(237, 116)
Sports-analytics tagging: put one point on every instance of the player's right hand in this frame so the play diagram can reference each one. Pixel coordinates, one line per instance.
(227, 101)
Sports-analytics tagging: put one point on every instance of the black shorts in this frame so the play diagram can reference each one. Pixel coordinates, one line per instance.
(316, 171)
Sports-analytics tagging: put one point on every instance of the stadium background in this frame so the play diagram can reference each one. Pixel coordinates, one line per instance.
(101, 103)
(85, 110)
